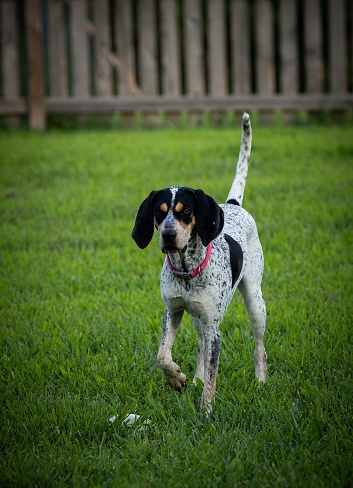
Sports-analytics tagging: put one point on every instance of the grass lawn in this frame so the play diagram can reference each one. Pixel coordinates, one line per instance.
(80, 313)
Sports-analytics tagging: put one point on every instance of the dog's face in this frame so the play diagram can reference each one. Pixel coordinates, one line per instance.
(174, 216)
(177, 213)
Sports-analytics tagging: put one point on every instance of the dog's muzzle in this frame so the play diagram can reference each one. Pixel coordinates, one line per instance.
(168, 242)
(169, 235)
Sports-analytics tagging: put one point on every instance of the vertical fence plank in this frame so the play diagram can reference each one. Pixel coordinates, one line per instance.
(124, 46)
(216, 47)
(288, 46)
(57, 56)
(194, 75)
(9, 49)
(265, 73)
(350, 61)
(102, 72)
(313, 46)
(35, 65)
(80, 53)
(147, 47)
(170, 48)
(240, 47)
(337, 46)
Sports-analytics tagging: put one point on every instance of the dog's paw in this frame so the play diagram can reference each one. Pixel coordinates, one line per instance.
(206, 405)
(261, 366)
(174, 377)
(178, 383)
(261, 376)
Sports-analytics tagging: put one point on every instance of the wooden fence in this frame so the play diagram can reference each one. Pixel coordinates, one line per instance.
(107, 56)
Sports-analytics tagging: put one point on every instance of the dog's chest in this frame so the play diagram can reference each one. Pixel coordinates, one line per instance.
(207, 294)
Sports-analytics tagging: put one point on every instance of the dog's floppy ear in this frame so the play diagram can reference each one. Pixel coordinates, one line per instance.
(143, 229)
(210, 217)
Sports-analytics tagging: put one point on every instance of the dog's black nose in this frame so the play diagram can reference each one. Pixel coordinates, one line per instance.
(169, 235)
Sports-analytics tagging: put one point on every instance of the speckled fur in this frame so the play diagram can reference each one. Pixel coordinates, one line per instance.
(207, 296)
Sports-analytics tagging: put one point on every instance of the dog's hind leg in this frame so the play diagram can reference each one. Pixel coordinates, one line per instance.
(257, 313)
(250, 288)
(171, 371)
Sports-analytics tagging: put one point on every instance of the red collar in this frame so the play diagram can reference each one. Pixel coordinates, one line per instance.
(194, 272)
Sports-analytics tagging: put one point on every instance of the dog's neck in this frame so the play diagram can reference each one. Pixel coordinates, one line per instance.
(193, 256)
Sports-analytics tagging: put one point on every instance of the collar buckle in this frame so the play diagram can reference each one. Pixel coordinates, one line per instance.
(185, 275)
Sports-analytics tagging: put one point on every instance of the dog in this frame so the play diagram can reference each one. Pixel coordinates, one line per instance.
(211, 250)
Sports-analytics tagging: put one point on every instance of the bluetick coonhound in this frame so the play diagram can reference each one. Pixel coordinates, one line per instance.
(211, 250)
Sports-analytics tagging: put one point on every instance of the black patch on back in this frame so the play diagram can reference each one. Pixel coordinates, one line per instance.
(236, 257)
(233, 201)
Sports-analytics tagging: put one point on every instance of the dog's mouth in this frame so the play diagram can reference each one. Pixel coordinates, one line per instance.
(170, 249)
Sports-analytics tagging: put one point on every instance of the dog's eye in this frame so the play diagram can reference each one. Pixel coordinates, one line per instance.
(159, 213)
(186, 210)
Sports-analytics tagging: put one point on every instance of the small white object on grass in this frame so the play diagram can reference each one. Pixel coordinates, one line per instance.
(130, 420)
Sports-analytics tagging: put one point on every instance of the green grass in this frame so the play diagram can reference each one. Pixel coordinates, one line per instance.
(81, 313)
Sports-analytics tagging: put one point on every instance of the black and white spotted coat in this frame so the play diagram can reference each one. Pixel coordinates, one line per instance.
(187, 220)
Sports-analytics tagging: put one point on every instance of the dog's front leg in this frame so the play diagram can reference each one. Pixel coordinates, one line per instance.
(212, 341)
(199, 373)
(171, 371)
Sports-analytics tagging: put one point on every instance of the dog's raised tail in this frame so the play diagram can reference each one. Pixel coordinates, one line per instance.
(238, 186)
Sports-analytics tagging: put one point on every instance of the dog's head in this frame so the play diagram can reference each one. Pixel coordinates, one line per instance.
(177, 213)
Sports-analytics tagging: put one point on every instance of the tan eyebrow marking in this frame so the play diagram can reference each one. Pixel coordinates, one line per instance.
(164, 207)
(179, 207)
